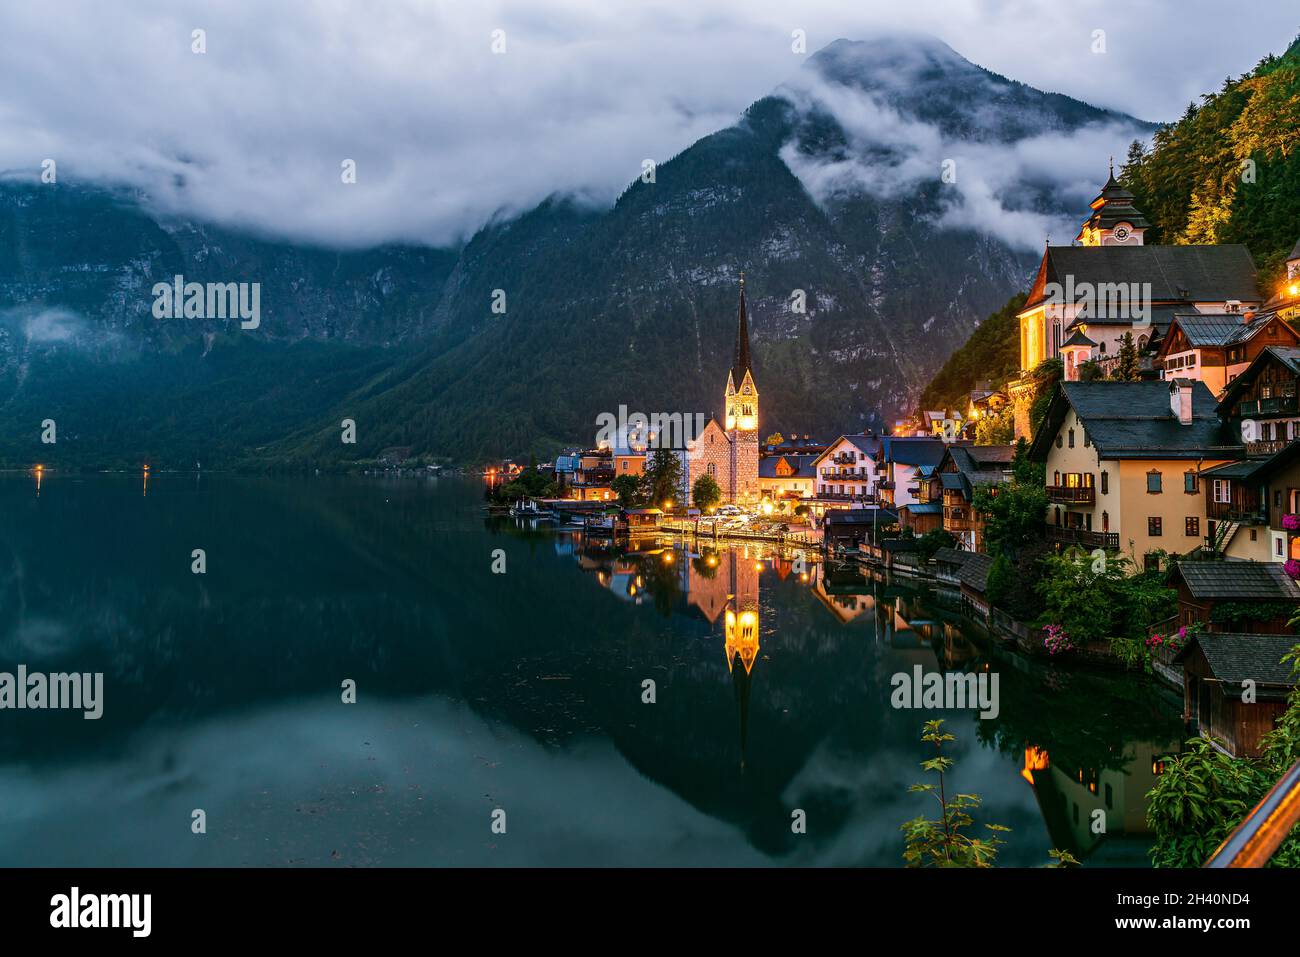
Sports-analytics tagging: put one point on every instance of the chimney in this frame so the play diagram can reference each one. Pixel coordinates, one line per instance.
(1180, 400)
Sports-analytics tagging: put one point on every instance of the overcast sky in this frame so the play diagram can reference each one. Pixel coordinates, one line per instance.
(446, 133)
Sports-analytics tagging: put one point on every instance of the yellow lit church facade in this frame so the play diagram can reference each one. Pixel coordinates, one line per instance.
(730, 454)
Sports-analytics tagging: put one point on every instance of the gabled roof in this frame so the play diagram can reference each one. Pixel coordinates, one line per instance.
(1295, 251)
(1237, 581)
(975, 572)
(1175, 273)
(802, 465)
(952, 556)
(867, 444)
(914, 450)
(1134, 420)
(1289, 356)
(1078, 339)
(976, 465)
(1234, 658)
(924, 508)
(860, 516)
(1218, 329)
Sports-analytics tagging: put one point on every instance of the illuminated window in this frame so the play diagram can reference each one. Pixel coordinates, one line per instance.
(1155, 527)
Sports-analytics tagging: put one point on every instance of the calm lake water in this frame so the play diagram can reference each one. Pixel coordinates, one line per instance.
(519, 691)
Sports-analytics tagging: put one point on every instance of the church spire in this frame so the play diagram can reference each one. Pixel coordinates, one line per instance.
(740, 363)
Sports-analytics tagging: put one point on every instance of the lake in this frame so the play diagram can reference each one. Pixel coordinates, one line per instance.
(517, 697)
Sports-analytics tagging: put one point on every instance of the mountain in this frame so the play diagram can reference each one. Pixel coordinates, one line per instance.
(831, 191)
(1192, 187)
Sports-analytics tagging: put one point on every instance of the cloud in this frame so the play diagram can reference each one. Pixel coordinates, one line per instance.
(445, 133)
(994, 187)
(37, 325)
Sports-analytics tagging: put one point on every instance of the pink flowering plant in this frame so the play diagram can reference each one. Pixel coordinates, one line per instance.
(1056, 641)
(1173, 643)
(1292, 567)
(1291, 522)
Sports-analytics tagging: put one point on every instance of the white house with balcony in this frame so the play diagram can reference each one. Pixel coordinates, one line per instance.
(847, 472)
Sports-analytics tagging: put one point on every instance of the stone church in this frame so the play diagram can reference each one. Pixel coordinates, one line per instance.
(730, 453)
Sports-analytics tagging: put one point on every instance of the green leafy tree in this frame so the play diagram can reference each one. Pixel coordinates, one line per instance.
(663, 477)
(1090, 371)
(992, 353)
(705, 493)
(1203, 793)
(628, 490)
(932, 541)
(995, 428)
(1044, 377)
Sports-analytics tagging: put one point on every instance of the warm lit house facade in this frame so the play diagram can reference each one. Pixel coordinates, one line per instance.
(1263, 401)
(729, 452)
(906, 464)
(1215, 348)
(1254, 507)
(785, 477)
(962, 470)
(1123, 462)
(847, 472)
(1085, 298)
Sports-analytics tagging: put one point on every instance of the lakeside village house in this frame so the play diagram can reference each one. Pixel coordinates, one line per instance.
(1198, 457)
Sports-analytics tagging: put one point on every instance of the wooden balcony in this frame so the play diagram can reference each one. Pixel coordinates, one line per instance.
(1072, 494)
(1248, 513)
(1277, 405)
(1269, 447)
(1083, 537)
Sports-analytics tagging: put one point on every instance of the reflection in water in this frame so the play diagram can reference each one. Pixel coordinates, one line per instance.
(1084, 809)
(522, 690)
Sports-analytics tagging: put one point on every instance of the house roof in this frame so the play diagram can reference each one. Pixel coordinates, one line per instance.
(1237, 581)
(866, 443)
(1242, 470)
(1289, 356)
(1175, 273)
(860, 516)
(802, 465)
(924, 508)
(1134, 420)
(952, 556)
(1295, 251)
(1234, 658)
(976, 465)
(1078, 339)
(1219, 329)
(975, 572)
(914, 450)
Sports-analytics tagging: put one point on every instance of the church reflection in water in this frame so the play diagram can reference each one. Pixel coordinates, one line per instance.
(1090, 785)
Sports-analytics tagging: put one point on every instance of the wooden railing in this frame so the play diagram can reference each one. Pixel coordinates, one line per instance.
(1249, 513)
(1262, 831)
(1072, 494)
(1277, 405)
(1083, 536)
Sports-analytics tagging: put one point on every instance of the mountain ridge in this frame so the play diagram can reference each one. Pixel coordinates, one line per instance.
(632, 304)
